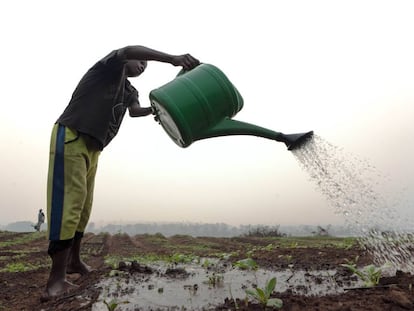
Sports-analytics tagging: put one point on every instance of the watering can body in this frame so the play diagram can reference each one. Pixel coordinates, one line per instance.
(199, 104)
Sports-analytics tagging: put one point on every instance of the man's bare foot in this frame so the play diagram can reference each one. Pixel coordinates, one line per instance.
(56, 289)
(78, 267)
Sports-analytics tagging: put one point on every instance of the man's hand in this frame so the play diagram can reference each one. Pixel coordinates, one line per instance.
(139, 52)
(187, 61)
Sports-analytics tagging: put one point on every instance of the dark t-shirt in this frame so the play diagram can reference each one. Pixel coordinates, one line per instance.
(100, 100)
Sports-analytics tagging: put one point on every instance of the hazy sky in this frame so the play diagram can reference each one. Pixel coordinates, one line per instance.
(344, 69)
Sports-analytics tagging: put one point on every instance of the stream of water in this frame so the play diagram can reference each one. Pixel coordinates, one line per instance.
(356, 189)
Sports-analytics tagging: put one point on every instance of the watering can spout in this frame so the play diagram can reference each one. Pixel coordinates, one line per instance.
(296, 141)
(233, 127)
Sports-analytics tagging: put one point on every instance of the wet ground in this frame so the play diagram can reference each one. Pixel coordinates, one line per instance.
(308, 271)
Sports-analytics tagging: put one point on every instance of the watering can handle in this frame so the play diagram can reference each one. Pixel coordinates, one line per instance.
(183, 71)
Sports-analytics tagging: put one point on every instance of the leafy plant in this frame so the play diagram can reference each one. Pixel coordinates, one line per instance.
(112, 261)
(250, 253)
(215, 279)
(206, 264)
(294, 245)
(269, 247)
(19, 267)
(246, 264)
(113, 304)
(184, 258)
(263, 295)
(370, 275)
(226, 256)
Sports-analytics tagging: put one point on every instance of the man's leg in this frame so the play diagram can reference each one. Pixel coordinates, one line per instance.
(75, 263)
(66, 198)
(57, 283)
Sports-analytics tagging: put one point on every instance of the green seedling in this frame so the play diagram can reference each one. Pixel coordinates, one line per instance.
(263, 295)
(112, 261)
(113, 304)
(270, 247)
(207, 264)
(215, 279)
(226, 256)
(246, 264)
(250, 253)
(294, 245)
(288, 258)
(184, 258)
(352, 262)
(370, 275)
(19, 267)
(23, 239)
(346, 243)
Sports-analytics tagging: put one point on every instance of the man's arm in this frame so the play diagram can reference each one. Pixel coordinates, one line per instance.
(132, 101)
(139, 52)
(135, 110)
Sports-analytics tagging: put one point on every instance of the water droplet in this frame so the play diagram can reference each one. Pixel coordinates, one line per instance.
(355, 189)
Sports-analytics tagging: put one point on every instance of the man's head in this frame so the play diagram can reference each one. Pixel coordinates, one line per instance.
(135, 67)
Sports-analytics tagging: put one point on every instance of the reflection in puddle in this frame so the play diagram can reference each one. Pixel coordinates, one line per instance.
(192, 287)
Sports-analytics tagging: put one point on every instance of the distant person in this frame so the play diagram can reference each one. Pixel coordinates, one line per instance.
(40, 220)
(88, 124)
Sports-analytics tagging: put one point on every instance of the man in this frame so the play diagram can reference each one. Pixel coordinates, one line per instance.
(40, 220)
(88, 124)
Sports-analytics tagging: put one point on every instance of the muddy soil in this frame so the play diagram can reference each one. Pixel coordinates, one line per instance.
(21, 290)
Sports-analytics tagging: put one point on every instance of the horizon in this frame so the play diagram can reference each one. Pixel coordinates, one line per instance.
(199, 229)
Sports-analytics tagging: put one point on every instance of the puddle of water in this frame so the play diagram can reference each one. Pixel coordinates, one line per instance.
(204, 289)
(357, 190)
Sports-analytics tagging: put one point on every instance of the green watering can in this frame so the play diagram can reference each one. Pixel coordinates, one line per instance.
(200, 103)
